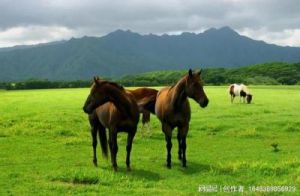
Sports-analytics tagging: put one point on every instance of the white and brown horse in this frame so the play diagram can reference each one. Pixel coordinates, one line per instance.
(241, 91)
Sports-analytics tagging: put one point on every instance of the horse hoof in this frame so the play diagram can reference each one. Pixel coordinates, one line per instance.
(95, 163)
(169, 166)
(115, 169)
(128, 169)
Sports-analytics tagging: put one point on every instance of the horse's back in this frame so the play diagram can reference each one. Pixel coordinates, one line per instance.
(145, 98)
(140, 93)
(238, 90)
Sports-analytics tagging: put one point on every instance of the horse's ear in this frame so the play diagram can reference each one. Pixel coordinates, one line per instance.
(190, 73)
(199, 72)
(96, 80)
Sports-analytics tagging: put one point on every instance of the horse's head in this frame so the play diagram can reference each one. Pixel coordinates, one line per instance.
(194, 88)
(249, 98)
(96, 97)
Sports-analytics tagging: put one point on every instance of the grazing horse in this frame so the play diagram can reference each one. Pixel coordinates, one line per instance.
(146, 98)
(110, 106)
(173, 110)
(241, 91)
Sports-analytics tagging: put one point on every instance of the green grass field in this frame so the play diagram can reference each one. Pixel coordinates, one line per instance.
(45, 146)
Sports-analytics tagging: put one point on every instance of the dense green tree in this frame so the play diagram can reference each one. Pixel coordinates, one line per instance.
(269, 73)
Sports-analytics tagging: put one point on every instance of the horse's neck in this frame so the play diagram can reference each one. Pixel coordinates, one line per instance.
(244, 88)
(178, 93)
(119, 99)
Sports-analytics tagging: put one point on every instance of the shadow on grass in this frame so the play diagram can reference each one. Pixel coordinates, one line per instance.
(141, 174)
(193, 167)
(161, 136)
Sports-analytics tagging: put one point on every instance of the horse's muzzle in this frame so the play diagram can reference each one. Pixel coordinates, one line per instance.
(204, 103)
(86, 110)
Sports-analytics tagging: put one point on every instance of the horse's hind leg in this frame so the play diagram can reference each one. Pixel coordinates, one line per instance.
(145, 121)
(146, 117)
(128, 148)
(168, 136)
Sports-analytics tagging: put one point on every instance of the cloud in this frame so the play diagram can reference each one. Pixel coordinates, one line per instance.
(33, 35)
(284, 38)
(99, 17)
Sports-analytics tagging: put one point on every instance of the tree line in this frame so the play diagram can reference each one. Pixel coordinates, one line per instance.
(275, 73)
(43, 84)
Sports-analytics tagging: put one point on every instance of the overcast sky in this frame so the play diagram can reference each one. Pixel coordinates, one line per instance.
(37, 21)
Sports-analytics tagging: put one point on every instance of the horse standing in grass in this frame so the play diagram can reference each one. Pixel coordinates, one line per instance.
(110, 106)
(173, 110)
(146, 98)
(241, 91)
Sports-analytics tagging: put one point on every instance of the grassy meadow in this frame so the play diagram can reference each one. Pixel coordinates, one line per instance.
(45, 146)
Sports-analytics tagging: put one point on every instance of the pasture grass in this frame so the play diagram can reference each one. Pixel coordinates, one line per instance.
(46, 146)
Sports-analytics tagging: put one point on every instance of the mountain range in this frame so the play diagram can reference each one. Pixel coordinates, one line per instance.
(124, 52)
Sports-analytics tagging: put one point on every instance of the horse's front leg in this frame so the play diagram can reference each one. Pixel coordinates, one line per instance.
(183, 133)
(94, 143)
(130, 137)
(179, 145)
(168, 136)
(94, 123)
(113, 145)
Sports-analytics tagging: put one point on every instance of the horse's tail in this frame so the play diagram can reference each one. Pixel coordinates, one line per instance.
(145, 117)
(103, 141)
(230, 89)
(149, 103)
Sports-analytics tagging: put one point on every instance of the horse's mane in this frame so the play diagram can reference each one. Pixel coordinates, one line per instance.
(183, 78)
(245, 88)
(115, 85)
(120, 87)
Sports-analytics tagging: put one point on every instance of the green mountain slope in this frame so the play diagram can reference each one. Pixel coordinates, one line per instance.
(124, 52)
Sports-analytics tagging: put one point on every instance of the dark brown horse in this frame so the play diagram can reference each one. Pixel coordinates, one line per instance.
(146, 98)
(110, 106)
(173, 110)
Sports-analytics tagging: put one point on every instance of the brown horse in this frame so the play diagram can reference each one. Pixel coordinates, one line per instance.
(173, 110)
(110, 106)
(146, 98)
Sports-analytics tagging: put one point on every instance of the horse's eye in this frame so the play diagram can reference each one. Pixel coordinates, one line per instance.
(91, 98)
